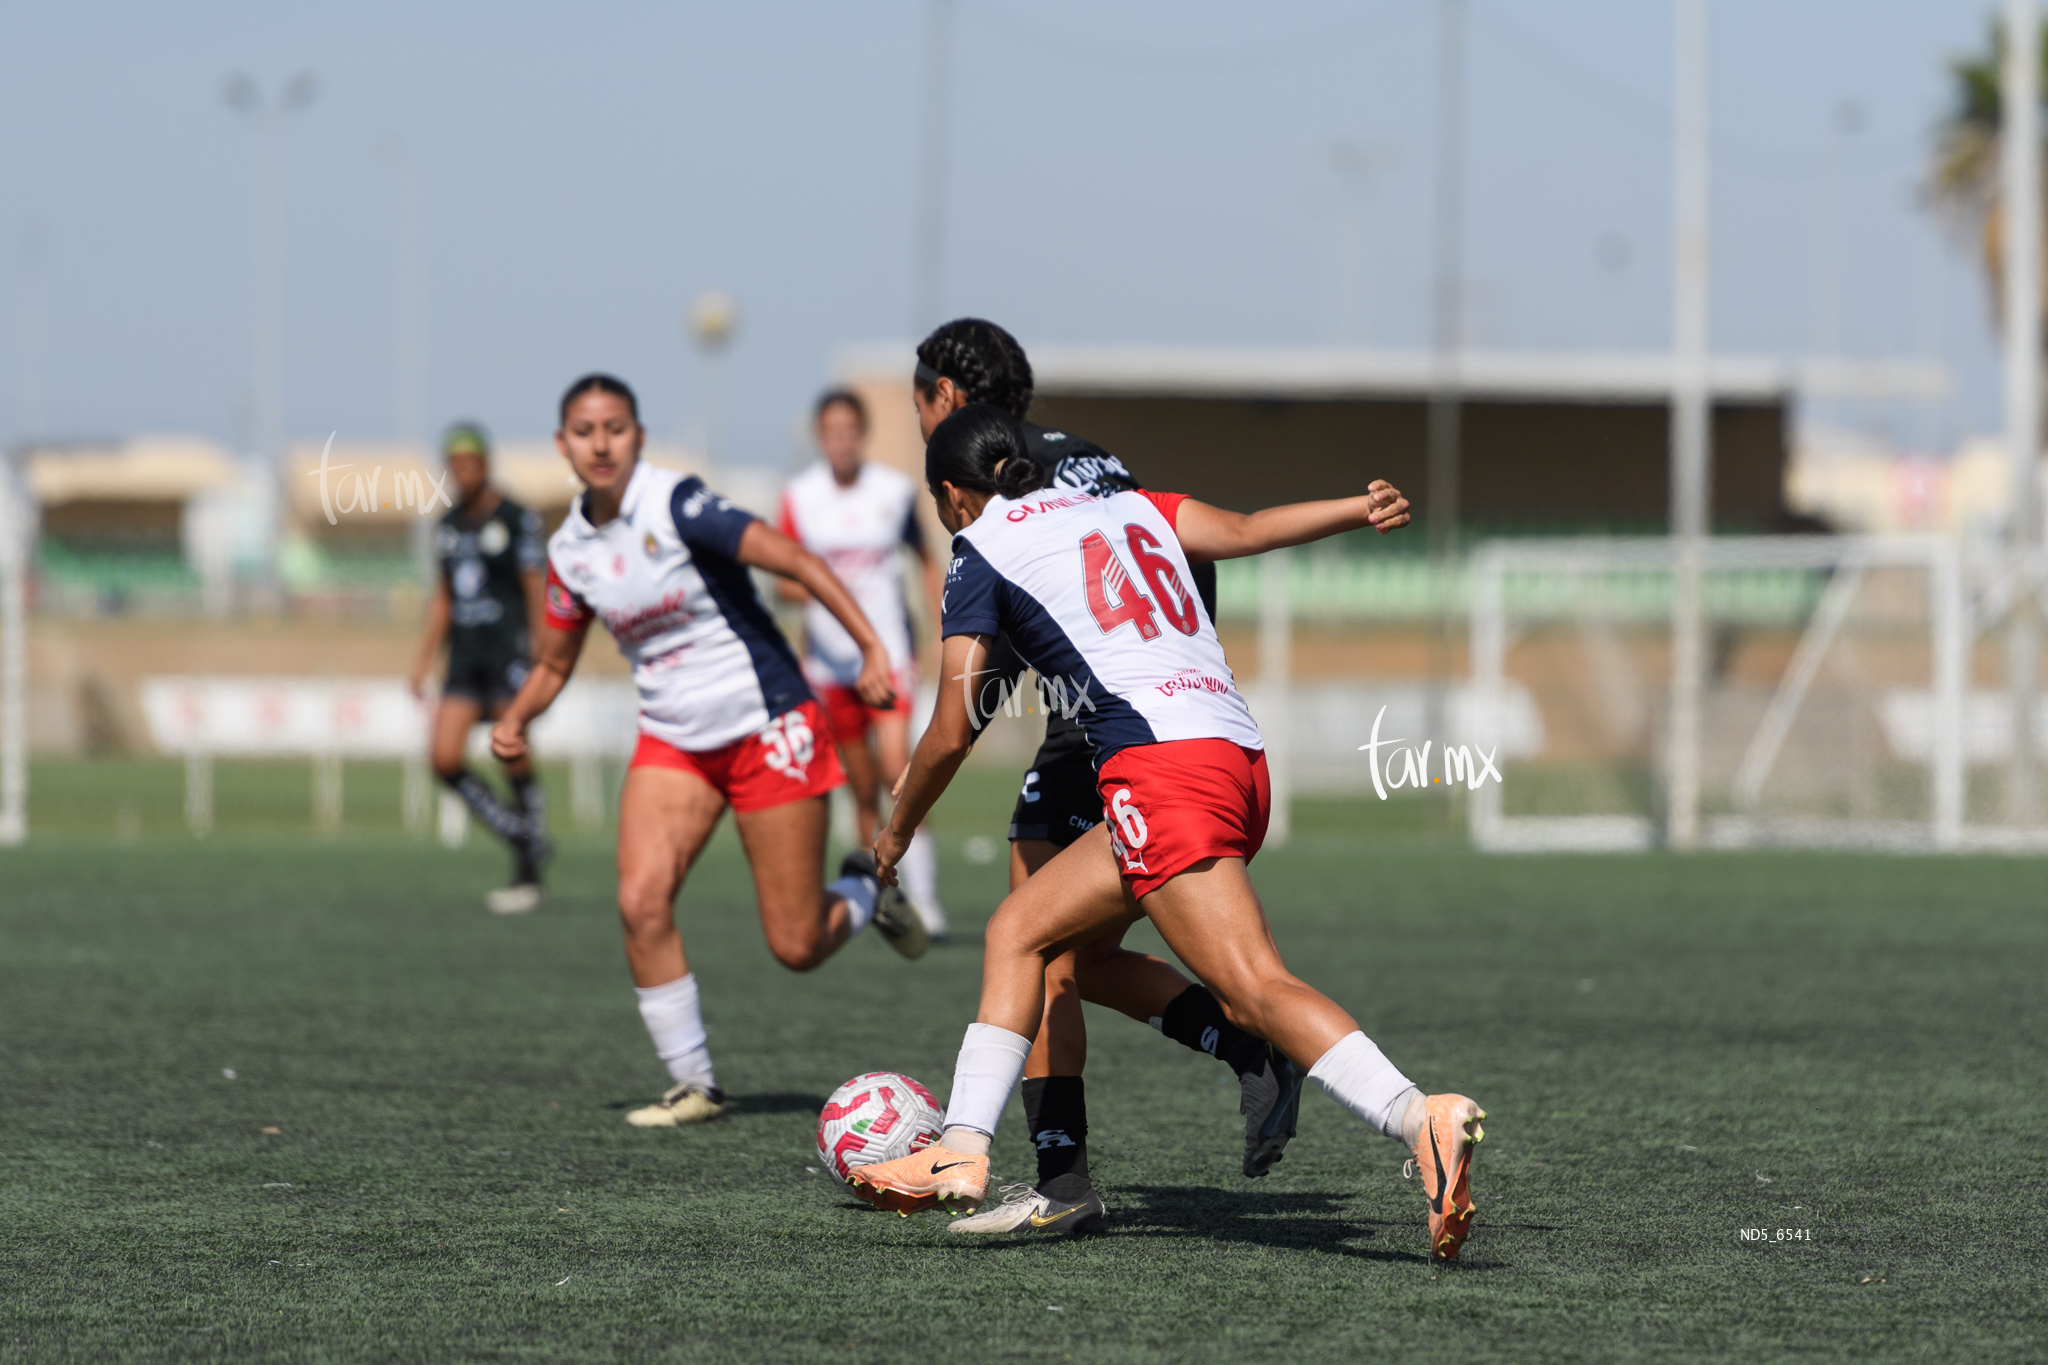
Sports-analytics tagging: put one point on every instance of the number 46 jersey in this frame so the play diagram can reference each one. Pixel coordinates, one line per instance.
(1094, 592)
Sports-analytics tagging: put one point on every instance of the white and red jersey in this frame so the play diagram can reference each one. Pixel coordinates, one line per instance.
(662, 576)
(859, 533)
(1094, 593)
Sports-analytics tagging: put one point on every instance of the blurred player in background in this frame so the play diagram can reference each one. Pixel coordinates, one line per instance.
(725, 719)
(858, 516)
(967, 361)
(487, 608)
(1093, 589)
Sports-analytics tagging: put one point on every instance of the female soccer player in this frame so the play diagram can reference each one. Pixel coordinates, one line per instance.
(487, 608)
(857, 516)
(1093, 590)
(972, 360)
(725, 719)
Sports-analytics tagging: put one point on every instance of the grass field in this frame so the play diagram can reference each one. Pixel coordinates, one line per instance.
(420, 1154)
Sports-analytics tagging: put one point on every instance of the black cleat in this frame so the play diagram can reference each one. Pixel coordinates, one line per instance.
(1271, 1106)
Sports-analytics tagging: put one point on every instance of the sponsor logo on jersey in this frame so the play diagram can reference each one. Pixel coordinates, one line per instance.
(631, 627)
(493, 539)
(1187, 680)
(1025, 509)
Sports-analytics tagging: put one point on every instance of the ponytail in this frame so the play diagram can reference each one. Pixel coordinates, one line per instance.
(981, 448)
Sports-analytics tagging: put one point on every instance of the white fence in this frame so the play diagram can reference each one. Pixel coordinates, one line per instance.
(327, 721)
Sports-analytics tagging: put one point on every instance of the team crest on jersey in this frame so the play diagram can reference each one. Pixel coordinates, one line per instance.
(493, 539)
(653, 546)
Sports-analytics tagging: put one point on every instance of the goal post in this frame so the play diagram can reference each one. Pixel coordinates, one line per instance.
(1833, 713)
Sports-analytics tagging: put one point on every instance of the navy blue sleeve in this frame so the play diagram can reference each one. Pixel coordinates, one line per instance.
(706, 521)
(913, 534)
(972, 604)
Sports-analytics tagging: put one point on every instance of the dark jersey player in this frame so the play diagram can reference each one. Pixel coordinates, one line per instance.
(492, 556)
(969, 361)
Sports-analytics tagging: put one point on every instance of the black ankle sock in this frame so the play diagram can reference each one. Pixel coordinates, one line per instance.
(1056, 1117)
(506, 823)
(1194, 1019)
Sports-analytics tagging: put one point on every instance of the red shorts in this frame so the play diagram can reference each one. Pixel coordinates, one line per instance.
(1171, 805)
(852, 718)
(786, 761)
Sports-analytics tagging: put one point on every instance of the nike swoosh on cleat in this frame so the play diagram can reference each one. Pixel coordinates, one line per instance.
(948, 1166)
(1436, 1200)
(1038, 1222)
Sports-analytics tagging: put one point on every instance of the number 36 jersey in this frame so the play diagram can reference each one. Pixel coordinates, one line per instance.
(709, 662)
(1095, 594)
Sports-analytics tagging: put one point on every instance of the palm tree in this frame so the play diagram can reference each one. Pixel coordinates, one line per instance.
(1964, 181)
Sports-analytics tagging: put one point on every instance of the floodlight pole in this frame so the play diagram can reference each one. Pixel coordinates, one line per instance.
(935, 138)
(2020, 174)
(1446, 415)
(1691, 452)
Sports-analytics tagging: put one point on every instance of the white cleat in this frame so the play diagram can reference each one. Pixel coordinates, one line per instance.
(522, 898)
(680, 1104)
(1025, 1210)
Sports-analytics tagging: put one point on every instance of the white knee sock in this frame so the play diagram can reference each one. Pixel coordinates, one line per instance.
(991, 1061)
(919, 871)
(673, 1022)
(1358, 1076)
(859, 894)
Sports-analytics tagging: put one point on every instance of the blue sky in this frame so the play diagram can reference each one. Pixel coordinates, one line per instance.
(1122, 171)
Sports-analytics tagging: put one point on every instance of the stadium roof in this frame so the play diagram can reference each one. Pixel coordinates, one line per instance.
(1327, 372)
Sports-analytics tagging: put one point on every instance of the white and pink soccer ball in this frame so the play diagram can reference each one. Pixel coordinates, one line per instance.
(876, 1117)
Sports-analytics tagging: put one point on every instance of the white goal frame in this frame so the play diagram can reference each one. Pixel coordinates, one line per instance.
(1849, 556)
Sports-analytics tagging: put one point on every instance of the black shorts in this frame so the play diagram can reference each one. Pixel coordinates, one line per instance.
(1059, 801)
(486, 675)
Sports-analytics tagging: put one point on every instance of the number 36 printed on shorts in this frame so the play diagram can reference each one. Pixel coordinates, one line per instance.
(787, 745)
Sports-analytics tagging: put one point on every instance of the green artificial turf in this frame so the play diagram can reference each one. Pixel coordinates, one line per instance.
(1672, 1050)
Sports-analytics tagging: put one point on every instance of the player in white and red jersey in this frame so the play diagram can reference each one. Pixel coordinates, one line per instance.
(859, 516)
(1093, 591)
(725, 719)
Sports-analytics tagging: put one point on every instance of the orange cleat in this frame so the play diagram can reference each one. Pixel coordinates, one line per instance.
(1443, 1157)
(910, 1184)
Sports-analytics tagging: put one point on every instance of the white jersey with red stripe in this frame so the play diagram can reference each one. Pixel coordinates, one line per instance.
(707, 658)
(1094, 593)
(858, 531)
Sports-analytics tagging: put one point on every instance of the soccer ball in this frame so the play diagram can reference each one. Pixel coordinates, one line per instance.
(876, 1117)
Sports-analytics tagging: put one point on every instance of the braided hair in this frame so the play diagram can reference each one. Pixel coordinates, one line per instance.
(981, 448)
(984, 362)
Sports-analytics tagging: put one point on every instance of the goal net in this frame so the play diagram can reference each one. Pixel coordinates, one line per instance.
(1833, 710)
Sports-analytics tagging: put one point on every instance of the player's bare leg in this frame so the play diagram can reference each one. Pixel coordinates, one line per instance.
(1211, 917)
(448, 743)
(666, 816)
(1150, 990)
(806, 924)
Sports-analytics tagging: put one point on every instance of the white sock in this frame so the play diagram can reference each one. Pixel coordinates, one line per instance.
(965, 1141)
(1358, 1076)
(673, 1022)
(991, 1062)
(859, 894)
(919, 872)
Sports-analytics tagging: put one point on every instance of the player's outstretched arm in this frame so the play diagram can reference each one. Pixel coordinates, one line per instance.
(944, 745)
(764, 547)
(1207, 532)
(554, 659)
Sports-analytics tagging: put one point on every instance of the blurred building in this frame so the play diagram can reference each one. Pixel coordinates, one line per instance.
(1551, 442)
